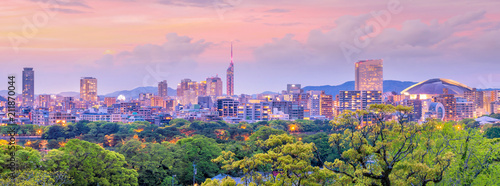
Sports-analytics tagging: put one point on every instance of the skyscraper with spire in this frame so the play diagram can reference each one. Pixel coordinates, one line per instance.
(230, 75)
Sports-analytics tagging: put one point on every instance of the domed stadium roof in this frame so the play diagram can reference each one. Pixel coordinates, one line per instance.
(436, 86)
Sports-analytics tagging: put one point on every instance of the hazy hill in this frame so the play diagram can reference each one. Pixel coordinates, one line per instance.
(389, 86)
(134, 93)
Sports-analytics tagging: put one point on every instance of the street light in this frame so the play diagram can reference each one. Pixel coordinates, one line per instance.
(292, 128)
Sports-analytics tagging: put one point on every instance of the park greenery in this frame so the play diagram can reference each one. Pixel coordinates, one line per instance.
(349, 150)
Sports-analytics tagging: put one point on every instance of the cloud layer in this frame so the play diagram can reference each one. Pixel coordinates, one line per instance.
(127, 43)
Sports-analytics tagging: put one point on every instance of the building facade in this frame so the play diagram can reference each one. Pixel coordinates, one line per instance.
(108, 101)
(253, 112)
(68, 103)
(44, 101)
(464, 108)
(28, 87)
(214, 86)
(475, 97)
(96, 117)
(88, 89)
(227, 107)
(358, 100)
(230, 76)
(314, 102)
(163, 89)
(369, 75)
(450, 105)
(326, 106)
(40, 117)
(61, 118)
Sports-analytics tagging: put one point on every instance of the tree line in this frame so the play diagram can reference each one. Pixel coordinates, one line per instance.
(389, 151)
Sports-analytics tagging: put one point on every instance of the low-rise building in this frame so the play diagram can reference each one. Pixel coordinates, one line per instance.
(96, 117)
(61, 117)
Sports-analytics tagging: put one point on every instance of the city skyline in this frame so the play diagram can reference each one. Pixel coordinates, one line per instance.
(192, 40)
(164, 86)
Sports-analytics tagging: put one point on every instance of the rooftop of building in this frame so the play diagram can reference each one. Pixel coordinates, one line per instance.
(370, 60)
(437, 86)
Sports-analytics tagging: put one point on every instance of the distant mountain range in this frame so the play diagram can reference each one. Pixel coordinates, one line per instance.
(70, 94)
(389, 86)
(269, 92)
(5, 92)
(134, 93)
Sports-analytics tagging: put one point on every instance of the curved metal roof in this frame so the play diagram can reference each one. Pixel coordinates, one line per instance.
(436, 86)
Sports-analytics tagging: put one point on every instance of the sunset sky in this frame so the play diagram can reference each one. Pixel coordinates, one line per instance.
(127, 44)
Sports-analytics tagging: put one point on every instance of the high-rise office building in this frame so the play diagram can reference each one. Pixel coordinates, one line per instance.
(88, 89)
(227, 107)
(464, 108)
(179, 90)
(326, 105)
(475, 96)
(230, 75)
(301, 98)
(181, 87)
(314, 102)
(202, 88)
(28, 87)
(358, 100)
(369, 75)
(189, 97)
(214, 86)
(188, 91)
(163, 89)
(68, 103)
(416, 114)
(450, 104)
(297, 111)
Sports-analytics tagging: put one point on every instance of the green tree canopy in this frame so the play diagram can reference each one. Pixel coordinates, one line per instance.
(291, 160)
(200, 150)
(374, 153)
(89, 164)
